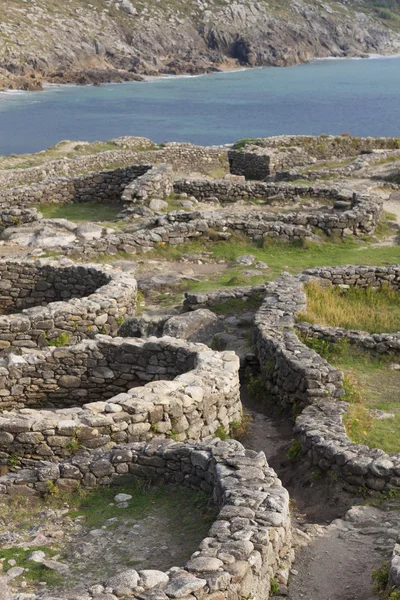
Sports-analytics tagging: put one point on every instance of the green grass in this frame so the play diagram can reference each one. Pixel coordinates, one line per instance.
(236, 306)
(88, 211)
(35, 571)
(366, 309)
(369, 384)
(188, 509)
(241, 144)
(292, 257)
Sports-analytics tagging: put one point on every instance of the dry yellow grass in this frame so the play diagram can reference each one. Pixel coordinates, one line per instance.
(376, 310)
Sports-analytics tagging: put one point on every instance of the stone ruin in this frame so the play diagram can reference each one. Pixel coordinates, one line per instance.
(158, 173)
(297, 376)
(42, 300)
(104, 407)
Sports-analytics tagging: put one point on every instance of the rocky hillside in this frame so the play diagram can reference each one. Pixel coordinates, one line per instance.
(117, 40)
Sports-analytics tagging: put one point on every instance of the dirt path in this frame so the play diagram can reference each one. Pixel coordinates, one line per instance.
(337, 545)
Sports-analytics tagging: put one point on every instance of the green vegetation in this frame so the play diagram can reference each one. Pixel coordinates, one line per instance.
(81, 212)
(381, 577)
(369, 384)
(66, 149)
(34, 571)
(61, 340)
(98, 506)
(221, 433)
(240, 429)
(366, 309)
(275, 588)
(295, 451)
(255, 387)
(293, 257)
(237, 306)
(240, 144)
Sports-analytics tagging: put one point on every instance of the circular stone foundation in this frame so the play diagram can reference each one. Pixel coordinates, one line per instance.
(247, 545)
(87, 395)
(47, 302)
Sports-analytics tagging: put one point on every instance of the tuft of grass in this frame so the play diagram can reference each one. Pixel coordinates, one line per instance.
(240, 144)
(240, 429)
(61, 340)
(376, 310)
(295, 451)
(274, 587)
(221, 433)
(381, 577)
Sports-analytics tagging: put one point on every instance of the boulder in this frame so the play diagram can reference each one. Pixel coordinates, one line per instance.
(196, 326)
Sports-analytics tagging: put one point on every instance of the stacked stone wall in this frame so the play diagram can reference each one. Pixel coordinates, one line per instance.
(156, 182)
(182, 157)
(11, 217)
(265, 156)
(181, 227)
(102, 187)
(247, 545)
(192, 391)
(251, 165)
(75, 300)
(296, 376)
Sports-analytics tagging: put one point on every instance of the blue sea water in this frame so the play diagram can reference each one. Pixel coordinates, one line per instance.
(329, 96)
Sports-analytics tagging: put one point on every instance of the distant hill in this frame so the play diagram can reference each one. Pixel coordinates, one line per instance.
(116, 40)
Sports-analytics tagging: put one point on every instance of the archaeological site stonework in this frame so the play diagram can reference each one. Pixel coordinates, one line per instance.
(298, 377)
(248, 544)
(44, 299)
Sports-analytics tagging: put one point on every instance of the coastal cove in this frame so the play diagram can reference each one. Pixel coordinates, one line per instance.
(326, 96)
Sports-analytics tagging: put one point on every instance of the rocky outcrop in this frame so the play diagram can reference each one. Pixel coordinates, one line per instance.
(123, 40)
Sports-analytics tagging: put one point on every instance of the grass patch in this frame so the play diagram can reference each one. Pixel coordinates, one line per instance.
(235, 306)
(292, 257)
(33, 571)
(369, 383)
(87, 211)
(98, 506)
(241, 144)
(367, 309)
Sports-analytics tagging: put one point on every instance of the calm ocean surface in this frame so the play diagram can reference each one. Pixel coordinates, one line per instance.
(330, 96)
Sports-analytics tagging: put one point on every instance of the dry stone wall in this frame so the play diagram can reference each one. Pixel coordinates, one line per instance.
(296, 376)
(263, 157)
(187, 391)
(182, 157)
(247, 545)
(156, 182)
(181, 227)
(102, 187)
(11, 217)
(77, 301)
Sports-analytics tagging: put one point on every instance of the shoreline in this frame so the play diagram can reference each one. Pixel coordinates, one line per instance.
(221, 70)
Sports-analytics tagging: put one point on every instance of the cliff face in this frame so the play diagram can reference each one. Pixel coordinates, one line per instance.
(117, 40)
